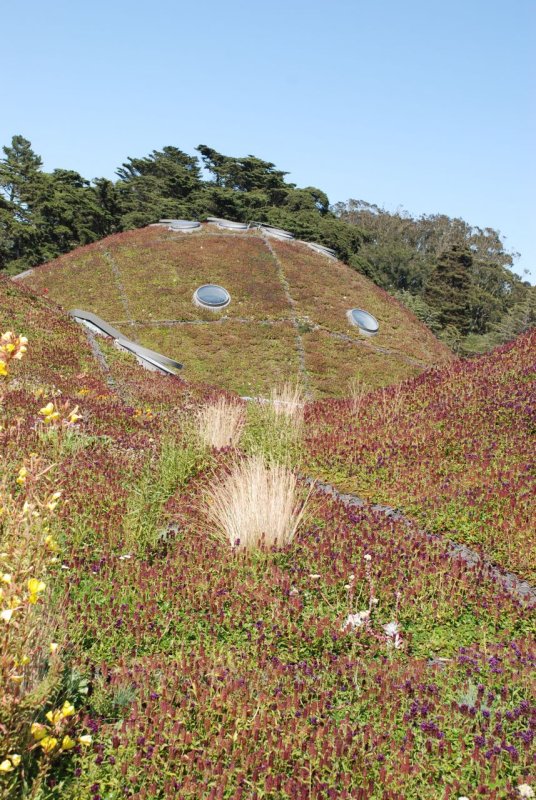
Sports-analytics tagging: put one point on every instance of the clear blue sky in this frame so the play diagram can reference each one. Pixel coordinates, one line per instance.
(419, 104)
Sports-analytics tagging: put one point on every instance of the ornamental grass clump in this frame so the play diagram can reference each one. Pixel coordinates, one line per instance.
(288, 401)
(256, 504)
(220, 424)
(357, 390)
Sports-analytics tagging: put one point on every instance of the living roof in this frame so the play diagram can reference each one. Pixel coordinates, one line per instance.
(216, 675)
(286, 317)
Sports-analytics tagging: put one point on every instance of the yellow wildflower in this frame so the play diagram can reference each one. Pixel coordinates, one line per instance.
(35, 587)
(3, 372)
(49, 413)
(74, 416)
(51, 544)
(53, 647)
(15, 759)
(54, 716)
(67, 710)
(6, 577)
(21, 478)
(6, 765)
(86, 739)
(38, 731)
(48, 743)
(17, 678)
(67, 743)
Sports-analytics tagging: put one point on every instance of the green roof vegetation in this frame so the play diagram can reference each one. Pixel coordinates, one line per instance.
(286, 320)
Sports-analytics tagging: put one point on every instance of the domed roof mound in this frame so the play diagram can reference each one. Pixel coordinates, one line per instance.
(243, 309)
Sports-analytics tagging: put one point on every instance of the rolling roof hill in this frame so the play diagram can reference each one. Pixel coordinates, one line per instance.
(286, 319)
(192, 638)
(454, 448)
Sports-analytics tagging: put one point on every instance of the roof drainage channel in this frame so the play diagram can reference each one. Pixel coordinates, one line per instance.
(156, 360)
(102, 327)
(99, 326)
(277, 233)
(322, 249)
(22, 275)
(517, 586)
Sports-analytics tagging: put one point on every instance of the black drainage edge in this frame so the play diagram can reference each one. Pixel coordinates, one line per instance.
(520, 588)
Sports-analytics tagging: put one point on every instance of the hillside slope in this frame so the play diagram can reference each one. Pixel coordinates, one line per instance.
(286, 319)
(453, 448)
(193, 671)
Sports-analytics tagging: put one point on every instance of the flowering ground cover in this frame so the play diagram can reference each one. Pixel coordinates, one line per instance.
(326, 290)
(331, 361)
(148, 277)
(215, 353)
(359, 661)
(454, 448)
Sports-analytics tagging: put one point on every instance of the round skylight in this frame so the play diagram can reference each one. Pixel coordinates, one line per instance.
(212, 296)
(184, 225)
(364, 321)
(229, 224)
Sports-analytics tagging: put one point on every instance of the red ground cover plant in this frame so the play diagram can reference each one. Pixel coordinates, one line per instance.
(213, 674)
(141, 281)
(452, 447)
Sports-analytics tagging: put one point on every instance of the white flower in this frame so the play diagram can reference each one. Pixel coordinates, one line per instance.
(314, 576)
(367, 557)
(6, 614)
(293, 592)
(463, 798)
(525, 790)
(392, 631)
(356, 620)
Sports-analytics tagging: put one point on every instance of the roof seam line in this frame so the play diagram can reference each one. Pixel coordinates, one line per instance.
(300, 349)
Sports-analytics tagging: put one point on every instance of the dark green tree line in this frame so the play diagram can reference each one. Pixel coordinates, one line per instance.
(458, 279)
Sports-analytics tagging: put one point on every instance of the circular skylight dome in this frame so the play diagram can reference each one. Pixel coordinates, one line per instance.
(183, 224)
(364, 321)
(212, 296)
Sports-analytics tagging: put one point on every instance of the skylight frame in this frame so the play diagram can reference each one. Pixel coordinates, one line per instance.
(368, 325)
(200, 303)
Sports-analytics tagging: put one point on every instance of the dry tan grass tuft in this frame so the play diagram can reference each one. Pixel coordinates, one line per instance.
(357, 389)
(220, 424)
(256, 504)
(288, 400)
